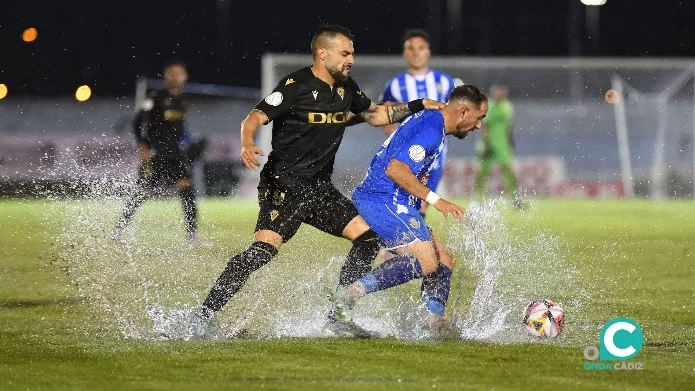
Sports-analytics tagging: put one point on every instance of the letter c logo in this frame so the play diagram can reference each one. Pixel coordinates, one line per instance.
(621, 339)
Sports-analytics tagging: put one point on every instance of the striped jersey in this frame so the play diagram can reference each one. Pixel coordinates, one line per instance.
(405, 87)
(433, 85)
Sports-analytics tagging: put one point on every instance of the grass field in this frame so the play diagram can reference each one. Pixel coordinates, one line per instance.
(72, 304)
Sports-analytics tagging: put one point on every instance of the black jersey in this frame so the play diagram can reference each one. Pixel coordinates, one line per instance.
(160, 123)
(309, 118)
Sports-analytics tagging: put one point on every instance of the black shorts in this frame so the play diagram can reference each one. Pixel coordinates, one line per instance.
(164, 171)
(320, 205)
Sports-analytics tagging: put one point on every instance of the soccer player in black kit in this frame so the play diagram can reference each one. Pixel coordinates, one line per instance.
(159, 128)
(309, 109)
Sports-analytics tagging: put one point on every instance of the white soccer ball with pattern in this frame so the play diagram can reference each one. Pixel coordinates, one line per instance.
(544, 319)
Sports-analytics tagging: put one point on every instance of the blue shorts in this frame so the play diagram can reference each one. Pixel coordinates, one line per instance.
(396, 225)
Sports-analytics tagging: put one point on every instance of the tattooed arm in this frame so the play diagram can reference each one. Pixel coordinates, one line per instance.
(380, 115)
(356, 119)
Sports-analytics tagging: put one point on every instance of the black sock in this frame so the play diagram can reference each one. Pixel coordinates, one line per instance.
(131, 206)
(190, 211)
(238, 270)
(360, 259)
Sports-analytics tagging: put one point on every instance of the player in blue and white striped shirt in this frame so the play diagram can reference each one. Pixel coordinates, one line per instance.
(420, 81)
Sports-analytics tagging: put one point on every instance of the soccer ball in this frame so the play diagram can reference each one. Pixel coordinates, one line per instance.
(544, 318)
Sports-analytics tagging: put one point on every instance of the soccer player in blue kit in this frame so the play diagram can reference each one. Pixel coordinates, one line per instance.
(388, 199)
(420, 81)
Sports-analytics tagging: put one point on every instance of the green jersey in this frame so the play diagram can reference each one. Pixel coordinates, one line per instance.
(498, 122)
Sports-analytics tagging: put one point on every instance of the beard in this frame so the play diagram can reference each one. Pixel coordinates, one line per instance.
(461, 134)
(337, 74)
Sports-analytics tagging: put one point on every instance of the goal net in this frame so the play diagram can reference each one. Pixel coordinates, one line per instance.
(569, 140)
(659, 100)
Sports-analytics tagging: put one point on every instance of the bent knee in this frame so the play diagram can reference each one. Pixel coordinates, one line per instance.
(355, 228)
(448, 259)
(270, 237)
(428, 266)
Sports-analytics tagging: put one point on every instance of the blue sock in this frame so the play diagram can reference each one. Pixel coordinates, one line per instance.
(395, 271)
(435, 290)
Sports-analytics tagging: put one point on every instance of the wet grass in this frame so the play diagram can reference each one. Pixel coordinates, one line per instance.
(636, 259)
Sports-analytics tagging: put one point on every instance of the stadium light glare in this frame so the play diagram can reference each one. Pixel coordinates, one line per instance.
(594, 2)
(30, 35)
(3, 91)
(83, 93)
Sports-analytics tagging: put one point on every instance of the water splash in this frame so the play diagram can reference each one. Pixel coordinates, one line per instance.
(148, 288)
(512, 268)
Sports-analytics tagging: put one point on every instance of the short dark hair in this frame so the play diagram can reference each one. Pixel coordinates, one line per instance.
(412, 33)
(468, 92)
(328, 31)
(175, 63)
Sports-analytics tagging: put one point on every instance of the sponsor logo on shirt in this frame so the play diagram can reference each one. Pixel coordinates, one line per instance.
(327, 118)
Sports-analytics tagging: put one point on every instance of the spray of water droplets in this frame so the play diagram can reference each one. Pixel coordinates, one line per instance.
(513, 265)
(149, 288)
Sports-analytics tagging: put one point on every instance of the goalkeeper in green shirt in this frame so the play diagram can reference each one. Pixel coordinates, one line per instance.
(496, 146)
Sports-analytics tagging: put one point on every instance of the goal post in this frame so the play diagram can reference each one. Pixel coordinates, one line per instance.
(623, 144)
(561, 115)
(671, 102)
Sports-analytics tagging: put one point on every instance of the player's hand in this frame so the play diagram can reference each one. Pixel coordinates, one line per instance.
(449, 209)
(432, 104)
(248, 155)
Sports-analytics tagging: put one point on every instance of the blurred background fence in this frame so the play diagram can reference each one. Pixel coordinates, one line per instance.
(567, 136)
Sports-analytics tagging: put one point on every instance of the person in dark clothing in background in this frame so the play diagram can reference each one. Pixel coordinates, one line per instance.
(166, 152)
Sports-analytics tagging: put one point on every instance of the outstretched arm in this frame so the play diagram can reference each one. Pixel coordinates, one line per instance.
(380, 115)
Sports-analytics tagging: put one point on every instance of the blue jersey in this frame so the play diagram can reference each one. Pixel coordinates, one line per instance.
(418, 142)
(389, 210)
(405, 87)
(433, 85)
